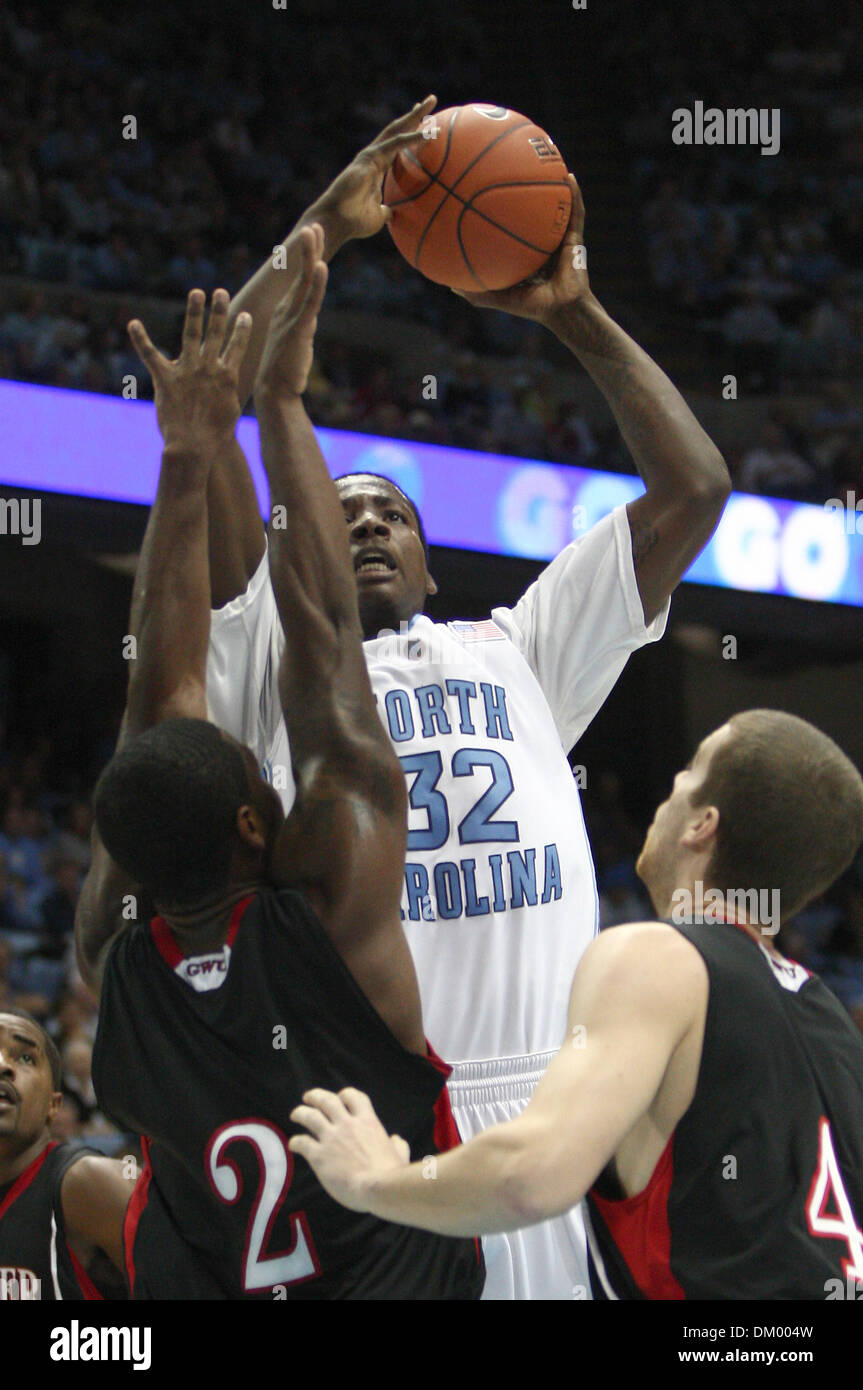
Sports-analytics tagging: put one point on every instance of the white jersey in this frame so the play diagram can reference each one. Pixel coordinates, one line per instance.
(500, 897)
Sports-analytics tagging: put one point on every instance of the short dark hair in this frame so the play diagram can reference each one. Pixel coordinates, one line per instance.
(413, 506)
(166, 809)
(790, 808)
(47, 1042)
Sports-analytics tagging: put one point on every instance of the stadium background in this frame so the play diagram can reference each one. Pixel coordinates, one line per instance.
(718, 260)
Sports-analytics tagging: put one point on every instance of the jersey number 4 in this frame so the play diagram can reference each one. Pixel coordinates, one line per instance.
(840, 1224)
(275, 1169)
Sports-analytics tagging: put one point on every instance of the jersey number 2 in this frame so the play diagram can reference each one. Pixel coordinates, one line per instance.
(841, 1224)
(276, 1169)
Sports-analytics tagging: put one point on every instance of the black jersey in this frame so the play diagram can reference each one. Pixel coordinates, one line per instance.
(206, 1056)
(759, 1192)
(35, 1258)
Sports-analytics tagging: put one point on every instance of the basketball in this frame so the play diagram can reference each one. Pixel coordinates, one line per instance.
(483, 202)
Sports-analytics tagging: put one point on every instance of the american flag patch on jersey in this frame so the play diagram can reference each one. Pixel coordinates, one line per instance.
(486, 631)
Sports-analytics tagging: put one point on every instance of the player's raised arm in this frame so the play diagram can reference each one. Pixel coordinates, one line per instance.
(686, 478)
(197, 409)
(350, 208)
(344, 841)
(636, 995)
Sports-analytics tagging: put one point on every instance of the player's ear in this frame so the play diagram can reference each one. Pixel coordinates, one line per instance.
(53, 1106)
(701, 831)
(250, 828)
(431, 586)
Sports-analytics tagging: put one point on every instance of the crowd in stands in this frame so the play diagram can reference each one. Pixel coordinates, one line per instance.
(44, 854)
(132, 160)
(524, 412)
(761, 252)
(763, 255)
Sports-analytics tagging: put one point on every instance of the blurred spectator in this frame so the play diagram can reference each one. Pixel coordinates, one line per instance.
(76, 1013)
(21, 849)
(842, 966)
(830, 326)
(753, 331)
(72, 841)
(67, 1125)
(774, 467)
(57, 908)
(76, 1083)
(7, 995)
(834, 424)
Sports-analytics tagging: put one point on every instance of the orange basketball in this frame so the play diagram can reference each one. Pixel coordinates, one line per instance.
(483, 202)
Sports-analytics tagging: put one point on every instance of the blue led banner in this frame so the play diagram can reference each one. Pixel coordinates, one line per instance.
(99, 446)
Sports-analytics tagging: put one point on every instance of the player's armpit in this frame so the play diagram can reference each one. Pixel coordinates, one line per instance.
(637, 992)
(95, 1197)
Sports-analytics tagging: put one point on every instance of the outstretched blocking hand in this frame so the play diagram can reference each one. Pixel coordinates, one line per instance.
(290, 345)
(540, 298)
(352, 204)
(197, 405)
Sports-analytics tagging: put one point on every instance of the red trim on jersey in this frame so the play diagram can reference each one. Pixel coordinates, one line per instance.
(85, 1283)
(237, 916)
(23, 1180)
(639, 1227)
(166, 943)
(446, 1135)
(134, 1212)
(438, 1062)
(168, 946)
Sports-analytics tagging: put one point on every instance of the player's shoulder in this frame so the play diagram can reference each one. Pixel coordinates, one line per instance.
(638, 958)
(71, 1169)
(94, 1186)
(277, 908)
(633, 942)
(132, 942)
(85, 1172)
(53, 1161)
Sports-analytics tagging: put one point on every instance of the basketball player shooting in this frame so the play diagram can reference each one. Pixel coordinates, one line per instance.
(499, 895)
(709, 1096)
(277, 947)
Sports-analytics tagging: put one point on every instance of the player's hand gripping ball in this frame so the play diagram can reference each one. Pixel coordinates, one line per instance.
(482, 202)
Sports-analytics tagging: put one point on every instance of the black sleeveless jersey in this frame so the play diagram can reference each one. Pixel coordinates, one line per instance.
(207, 1056)
(35, 1258)
(759, 1192)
